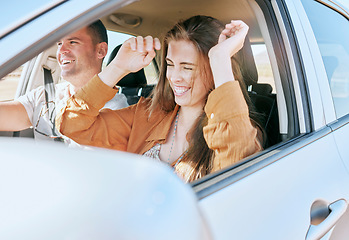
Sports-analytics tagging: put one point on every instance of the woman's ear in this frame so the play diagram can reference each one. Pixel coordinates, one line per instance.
(102, 49)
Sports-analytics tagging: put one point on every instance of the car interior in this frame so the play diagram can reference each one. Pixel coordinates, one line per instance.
(262, 72)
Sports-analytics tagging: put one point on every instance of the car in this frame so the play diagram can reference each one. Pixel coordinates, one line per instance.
(298, 79)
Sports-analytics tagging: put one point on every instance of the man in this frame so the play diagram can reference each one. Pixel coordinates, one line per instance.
(80, 56)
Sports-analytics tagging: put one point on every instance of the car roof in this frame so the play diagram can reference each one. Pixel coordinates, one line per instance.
(164, 14)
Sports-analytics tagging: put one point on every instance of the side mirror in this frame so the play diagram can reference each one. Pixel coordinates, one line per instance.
(49, 191)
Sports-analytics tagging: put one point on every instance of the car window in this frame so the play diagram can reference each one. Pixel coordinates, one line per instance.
(263, 94)
(332, 34)
(265, 103)
(261, 58)
(9, 83)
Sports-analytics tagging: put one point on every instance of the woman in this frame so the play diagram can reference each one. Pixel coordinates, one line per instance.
(197, 119)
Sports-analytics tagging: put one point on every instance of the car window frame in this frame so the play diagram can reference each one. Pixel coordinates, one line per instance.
(91, 11)
(295, 139)
(30, 16)
(216, 181)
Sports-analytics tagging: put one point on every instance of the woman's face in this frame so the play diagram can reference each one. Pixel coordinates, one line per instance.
(184, 74)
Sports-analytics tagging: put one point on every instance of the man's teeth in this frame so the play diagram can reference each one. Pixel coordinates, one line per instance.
(67, 61)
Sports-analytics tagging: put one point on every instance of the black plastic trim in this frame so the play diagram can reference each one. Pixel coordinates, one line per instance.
(285, 72)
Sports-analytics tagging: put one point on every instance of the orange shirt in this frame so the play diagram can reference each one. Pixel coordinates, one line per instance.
(229, 131)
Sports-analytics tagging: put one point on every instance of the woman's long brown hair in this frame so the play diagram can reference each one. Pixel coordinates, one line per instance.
(203, 32)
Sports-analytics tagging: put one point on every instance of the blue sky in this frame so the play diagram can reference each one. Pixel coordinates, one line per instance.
(345, 3)
(15, 10)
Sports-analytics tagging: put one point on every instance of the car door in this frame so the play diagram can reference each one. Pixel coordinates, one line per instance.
(283, 192)
(297, 189)
(332, 37)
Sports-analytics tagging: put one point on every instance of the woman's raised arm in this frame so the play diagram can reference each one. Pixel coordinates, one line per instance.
(230, 41)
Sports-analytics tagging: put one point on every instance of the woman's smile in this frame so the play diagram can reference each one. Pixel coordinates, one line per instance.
(184, 75)
(179, 90)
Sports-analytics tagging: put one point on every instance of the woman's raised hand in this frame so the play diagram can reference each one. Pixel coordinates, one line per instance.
(230, 41)
(134, 54)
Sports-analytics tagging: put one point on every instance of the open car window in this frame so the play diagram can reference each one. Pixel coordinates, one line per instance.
(263, 69)
(9, 84)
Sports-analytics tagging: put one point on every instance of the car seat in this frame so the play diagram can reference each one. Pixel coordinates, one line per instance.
(261, 96)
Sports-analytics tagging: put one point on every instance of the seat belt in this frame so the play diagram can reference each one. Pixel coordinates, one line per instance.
(50, 97)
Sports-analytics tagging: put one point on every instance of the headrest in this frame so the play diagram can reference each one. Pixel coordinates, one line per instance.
(248, 66)
(262, 88)
(136, 79)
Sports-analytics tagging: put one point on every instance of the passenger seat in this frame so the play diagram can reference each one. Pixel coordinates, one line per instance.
(261, 96)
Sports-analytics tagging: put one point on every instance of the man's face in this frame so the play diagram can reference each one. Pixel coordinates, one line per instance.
(78, 57)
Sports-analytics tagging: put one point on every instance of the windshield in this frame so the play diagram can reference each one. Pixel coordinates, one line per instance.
(15, 12)
(345, 3)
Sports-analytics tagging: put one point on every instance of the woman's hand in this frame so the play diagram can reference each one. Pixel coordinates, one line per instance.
(230, 41)
(134, 54)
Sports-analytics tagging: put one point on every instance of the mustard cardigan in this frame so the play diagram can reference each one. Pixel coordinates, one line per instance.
(229, 131)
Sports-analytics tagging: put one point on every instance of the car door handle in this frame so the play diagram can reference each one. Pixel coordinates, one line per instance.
(336, 211)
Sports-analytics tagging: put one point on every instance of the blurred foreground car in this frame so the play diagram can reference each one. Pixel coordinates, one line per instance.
(298, 79)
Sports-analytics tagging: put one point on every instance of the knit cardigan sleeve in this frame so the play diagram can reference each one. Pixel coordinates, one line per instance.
(82, 120)
(229, 131)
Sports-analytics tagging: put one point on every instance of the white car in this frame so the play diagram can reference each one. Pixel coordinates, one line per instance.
(297, 76)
